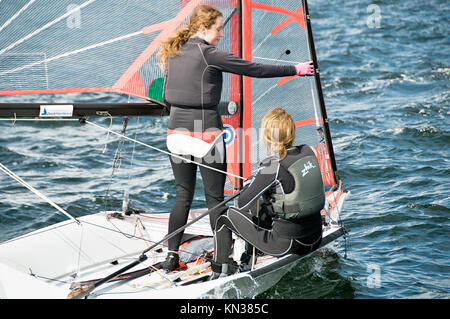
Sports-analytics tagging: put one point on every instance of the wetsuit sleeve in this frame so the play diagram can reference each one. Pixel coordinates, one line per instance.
(228, 62)
(266, 177)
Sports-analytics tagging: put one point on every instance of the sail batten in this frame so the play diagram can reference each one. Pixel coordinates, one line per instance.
(16, 15)
(68, 46)
(37, 31)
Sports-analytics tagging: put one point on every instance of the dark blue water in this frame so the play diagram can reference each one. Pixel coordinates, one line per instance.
(385, 73)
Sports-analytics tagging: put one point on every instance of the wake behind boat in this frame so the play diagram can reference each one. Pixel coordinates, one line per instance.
(118, 254)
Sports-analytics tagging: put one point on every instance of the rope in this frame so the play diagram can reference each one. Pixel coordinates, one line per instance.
(162, 151)
(130, 139)
(38, 193)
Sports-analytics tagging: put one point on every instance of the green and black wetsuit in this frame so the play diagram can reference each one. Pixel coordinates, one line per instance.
(293, 195)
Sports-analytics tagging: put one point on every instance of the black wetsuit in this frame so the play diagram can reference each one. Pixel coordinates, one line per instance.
(193, 81)
(274, 236)
(192, 89)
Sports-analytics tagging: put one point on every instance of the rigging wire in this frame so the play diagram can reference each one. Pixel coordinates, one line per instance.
(162, 151)
(128, 138)
(107, 135)
(38, 193)
(109, 130)
(141, 236)
(125, 200)
(117, 160)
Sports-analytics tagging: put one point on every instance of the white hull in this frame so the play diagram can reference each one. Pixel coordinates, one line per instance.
(44, 263)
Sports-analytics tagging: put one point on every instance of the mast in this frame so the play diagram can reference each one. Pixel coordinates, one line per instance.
(320, 93)
(241, 100)
(246, 108)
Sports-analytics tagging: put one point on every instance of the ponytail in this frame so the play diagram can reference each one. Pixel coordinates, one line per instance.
(278, 132)
(204, 16)
(171, 46)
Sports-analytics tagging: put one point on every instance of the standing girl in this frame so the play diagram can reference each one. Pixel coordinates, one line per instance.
(193, 67)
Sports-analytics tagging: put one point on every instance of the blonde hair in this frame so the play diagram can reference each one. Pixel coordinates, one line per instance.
(203, 16)
(278, 131)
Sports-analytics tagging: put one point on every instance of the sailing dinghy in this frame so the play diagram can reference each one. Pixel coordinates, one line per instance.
(118, 254)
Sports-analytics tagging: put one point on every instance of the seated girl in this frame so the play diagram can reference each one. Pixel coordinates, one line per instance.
(292, 191)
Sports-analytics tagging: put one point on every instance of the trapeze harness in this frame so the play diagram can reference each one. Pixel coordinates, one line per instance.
(192, 90)
(288, 219)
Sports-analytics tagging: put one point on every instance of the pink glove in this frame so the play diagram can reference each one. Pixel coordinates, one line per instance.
(305, 68)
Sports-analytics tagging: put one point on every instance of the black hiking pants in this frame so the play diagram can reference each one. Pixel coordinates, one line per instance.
(185, 174)
(246, 226)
